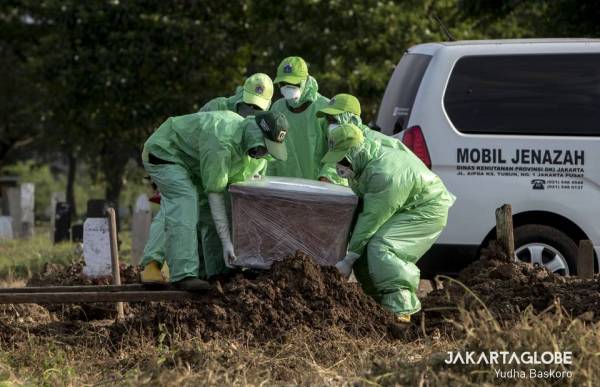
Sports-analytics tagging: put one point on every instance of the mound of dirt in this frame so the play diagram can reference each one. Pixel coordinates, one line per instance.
(507, 288)
(295, 293)
(54, 275)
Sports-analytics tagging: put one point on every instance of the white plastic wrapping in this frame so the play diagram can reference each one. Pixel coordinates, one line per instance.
(274, 217)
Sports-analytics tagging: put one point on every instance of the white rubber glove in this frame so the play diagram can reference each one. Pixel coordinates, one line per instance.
(345, 265)
(216, 202)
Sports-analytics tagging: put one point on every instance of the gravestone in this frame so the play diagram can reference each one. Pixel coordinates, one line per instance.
(140, 227)
(21, 205)
(6, 227)
(61, 222)
(56, 197)
(96, 208)
(6, 182)
(13, 195)
(96, 248)
(77, 233)
(27, 192)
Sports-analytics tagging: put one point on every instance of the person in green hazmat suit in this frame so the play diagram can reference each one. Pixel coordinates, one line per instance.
(198, 155)
(254, 96)
(307, 138)
(404, 210)
(345, 109)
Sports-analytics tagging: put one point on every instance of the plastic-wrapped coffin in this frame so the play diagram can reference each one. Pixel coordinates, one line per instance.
(273, 217)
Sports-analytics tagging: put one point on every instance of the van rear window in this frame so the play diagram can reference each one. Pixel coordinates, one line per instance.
(549, 94)
(555, 94)
(400, 93)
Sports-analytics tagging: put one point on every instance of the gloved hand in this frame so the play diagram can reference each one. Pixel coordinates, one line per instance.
(345, 265)
(228, 253)
(216, 202)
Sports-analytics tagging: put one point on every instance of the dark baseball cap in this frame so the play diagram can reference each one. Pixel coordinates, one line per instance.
(274, 127)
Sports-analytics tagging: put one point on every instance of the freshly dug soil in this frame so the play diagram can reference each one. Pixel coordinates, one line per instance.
(294, 293)
(298, 294)
(507, 288)
(54, 275)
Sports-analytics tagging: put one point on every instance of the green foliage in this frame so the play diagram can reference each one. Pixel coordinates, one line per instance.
(96, 77)
(86, 187)
(537, 18)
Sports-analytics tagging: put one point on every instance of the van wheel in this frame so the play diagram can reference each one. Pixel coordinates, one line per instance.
(544, 245)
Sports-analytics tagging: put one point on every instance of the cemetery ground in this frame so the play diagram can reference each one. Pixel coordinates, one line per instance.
(235, 337)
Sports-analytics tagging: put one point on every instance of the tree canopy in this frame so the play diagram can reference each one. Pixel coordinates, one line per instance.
(92, 79)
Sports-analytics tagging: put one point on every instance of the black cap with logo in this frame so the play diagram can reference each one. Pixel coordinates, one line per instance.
(274, 127)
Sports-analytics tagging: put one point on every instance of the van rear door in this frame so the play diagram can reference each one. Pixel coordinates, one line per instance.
(400, 93)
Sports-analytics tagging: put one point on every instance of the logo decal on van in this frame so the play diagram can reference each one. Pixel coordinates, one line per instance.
(538, 183)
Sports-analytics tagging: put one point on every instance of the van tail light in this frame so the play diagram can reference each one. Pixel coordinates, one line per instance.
(415, 141)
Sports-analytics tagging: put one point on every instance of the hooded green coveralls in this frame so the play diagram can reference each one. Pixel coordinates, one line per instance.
(405, 208)
(388, 141)
(203, 153)
(307, 137)
(155, 246)
(224, 103)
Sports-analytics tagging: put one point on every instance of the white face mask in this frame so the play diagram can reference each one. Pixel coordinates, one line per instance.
(291, 92)
(344, 172)
(331, 127)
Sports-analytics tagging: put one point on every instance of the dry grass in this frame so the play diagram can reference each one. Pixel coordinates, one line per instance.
(55, 353)
(306, 357)
(19, 258)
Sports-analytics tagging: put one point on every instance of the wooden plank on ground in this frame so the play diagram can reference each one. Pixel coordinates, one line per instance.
(86, 297)
(74, 289)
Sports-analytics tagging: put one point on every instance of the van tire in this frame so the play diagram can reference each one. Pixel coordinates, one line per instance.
(539, 233)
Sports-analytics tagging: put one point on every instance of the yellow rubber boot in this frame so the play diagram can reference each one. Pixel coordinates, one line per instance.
(151, 275)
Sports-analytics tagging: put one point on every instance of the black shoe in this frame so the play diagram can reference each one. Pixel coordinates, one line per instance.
(192, 284)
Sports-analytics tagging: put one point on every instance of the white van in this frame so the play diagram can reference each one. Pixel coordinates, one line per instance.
(512, 121)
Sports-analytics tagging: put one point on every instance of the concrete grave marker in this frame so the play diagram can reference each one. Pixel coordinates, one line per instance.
(13, 194)
(96, 248)
(6, 231)
(21, 205)
(140, 227)
(27, 209)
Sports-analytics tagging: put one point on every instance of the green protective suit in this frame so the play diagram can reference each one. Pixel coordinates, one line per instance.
(306, 140)
(155, 247)
(230, 104)
(388, 141)
(208, 152)
(404, 210)
(224, 103)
